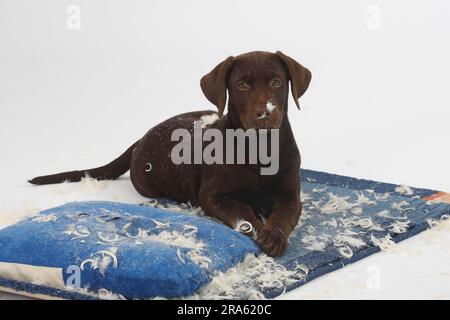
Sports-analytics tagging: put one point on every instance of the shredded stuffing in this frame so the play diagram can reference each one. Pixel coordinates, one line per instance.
(242, 281)
(346, 251)
(101, 293)
(185, 239)
(399, 226)
(161, 225)
(262, 116)
(320, 189)
(443, 224)
(362, 199)
(140, 235)
(315, 242)
(253, 273)
(92, 185)
(107, 239)
(403, 189)
(303, 217)
(189, 230)
(209, 119)
(108, 295)
(182, 207)
(45, 218)
(365, 223)
(356, 210)
(77, 231)
(399, 205)
(197, 257)
(102, 263)
(346, 239)
(108, 256)
(180, 256)
(92, 262)
(310, 229)
(383, 214)
(305, 196)
(383, 243)
(381, 197)
(336, 204)
(437, 228)
(331, 223)
(270, 107)
(173, 238)
(386, 214)
(302, 268)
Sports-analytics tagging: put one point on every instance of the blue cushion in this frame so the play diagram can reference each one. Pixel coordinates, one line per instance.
(132, 250)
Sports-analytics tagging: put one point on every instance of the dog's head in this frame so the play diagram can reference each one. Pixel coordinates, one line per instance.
(257, 84)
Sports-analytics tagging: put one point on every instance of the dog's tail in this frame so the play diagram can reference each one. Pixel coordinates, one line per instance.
(111, 171)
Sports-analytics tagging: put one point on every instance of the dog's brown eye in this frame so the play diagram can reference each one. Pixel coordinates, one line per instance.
(275, 83)
(242, 85)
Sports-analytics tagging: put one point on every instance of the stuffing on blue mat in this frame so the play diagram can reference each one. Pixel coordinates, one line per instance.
(134, 251)
(166, 249)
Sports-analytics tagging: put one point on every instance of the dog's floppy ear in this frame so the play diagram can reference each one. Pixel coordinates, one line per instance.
(214, 84)
(300, 77)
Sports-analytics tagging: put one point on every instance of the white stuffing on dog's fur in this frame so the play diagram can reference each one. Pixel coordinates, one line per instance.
(270, 107)
(209, 119)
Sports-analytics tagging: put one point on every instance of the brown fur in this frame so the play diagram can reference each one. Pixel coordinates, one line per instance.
(228, 192)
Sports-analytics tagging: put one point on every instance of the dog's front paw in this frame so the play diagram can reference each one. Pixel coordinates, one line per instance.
(272, 241)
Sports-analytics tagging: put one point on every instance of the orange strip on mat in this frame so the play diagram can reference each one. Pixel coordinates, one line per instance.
(439, 197)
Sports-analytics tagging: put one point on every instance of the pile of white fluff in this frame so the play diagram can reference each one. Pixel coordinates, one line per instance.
(243, 280)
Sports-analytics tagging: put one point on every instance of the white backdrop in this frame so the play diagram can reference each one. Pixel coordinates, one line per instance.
(378, 106)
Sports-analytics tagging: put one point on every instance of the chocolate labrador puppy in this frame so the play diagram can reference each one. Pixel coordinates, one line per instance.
(257, 85)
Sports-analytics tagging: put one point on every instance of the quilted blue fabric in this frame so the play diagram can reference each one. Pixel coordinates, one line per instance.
(132, 250)
(341, 221)
(330, 222)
